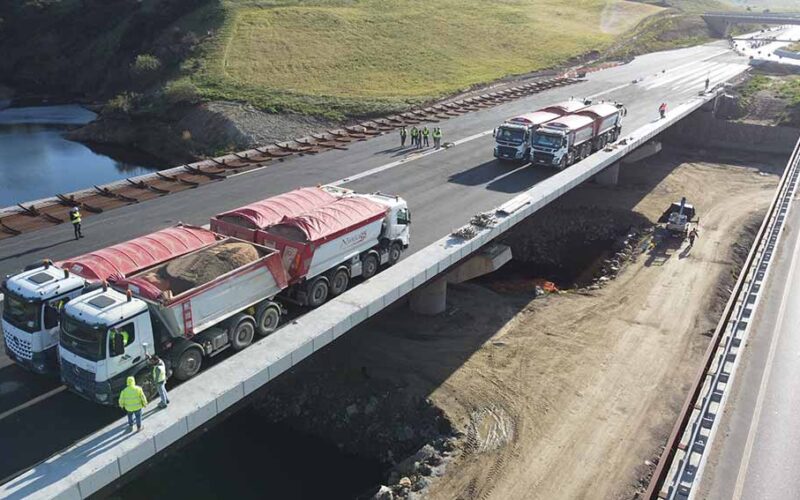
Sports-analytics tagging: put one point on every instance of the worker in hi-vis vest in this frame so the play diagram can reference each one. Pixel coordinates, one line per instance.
(75, 218)
(132, 400)
(160, 378)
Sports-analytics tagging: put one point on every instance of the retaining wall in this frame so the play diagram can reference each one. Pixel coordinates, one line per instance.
(702, 129)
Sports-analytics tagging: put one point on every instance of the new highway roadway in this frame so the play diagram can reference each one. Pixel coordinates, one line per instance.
(756, 451)
(443, 188)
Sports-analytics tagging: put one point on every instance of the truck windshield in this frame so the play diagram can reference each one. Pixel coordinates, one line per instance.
(25, 315)
(84, 340)
(513, 135)
(546, 140)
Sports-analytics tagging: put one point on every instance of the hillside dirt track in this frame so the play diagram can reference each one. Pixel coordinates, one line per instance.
(576, 391)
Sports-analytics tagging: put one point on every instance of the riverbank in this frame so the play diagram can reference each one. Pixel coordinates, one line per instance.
(37, 159)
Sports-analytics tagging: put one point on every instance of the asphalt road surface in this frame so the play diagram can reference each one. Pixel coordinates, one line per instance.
(443, 189)
(756, 452)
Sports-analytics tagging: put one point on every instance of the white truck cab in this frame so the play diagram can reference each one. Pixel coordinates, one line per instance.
(102, 342)
(32, 304)
(398, 218)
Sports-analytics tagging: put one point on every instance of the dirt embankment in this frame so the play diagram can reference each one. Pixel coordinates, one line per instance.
(569, 395)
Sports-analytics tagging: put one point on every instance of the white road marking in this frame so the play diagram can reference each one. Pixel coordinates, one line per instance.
(32, 402)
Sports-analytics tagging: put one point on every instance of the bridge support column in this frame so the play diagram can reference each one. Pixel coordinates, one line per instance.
(609, 176)
(431, 299)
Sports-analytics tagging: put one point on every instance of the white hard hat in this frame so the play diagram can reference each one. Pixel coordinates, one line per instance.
(74, 209)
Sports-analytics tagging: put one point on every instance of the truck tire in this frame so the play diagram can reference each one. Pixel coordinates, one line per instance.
(395, 251)
(268, 317)
(563, 163)
(242, 331)
(318, 291)
(188, 363)
(369, 266)
(339, 281)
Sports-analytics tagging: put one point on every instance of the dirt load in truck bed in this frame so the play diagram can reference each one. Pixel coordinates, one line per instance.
(199, 268)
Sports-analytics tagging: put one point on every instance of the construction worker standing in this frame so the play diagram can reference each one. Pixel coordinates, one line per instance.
(403, 134)
(437, 137)
(75, 218)
(132, 400)
(425, 134)
(414, 135)
(160, 378)
(692, 236)
(662, 110)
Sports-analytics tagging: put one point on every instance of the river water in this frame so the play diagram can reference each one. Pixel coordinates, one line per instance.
(36, 161)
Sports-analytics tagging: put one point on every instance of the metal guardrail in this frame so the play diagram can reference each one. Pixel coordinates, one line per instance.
(680, 465)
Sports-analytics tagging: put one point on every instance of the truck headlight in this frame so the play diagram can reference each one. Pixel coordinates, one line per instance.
(102, 397)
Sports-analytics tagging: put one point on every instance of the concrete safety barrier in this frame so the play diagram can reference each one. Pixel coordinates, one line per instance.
(105, 456)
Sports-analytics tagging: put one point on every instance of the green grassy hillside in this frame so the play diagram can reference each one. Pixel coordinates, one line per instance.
(338, 56)
(327, 57)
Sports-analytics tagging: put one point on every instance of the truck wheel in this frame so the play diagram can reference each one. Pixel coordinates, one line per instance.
(318, 292)
(563, 163)
(369, 266)
(188, 363)
(241, 331)
(395, 250)
(339, 281)
(268, 317)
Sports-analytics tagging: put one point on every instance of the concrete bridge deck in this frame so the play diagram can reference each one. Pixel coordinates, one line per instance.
(444, 189)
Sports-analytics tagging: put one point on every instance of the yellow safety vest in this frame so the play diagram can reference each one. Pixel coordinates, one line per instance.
(76, 217)
(425, 132)
(132, 398)
(159, 373)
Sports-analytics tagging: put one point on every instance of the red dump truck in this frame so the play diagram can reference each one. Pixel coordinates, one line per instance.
(184, 310)
(571, 138)
(33, 298)
(326, 236)
(224, 294)
(513, 137)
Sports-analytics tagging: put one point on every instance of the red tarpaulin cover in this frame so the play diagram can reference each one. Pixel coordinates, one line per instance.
(341, 216)
(137, 254)
(264, 213)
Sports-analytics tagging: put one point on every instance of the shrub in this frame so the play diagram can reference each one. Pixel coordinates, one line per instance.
(122, 104)
(181, 92)
(145, 64)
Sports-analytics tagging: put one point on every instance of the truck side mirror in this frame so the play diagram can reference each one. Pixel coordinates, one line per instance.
(117, 346)
(494, 133)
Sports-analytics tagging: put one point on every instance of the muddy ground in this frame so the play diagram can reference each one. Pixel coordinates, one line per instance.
(568, 395)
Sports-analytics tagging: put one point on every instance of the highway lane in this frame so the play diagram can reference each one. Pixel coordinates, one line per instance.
(444, 190)
(756, 451)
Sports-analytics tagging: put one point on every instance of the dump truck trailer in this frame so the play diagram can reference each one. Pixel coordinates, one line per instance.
(184, 310)
(326, 236)
(571, 138)
(34, 297)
